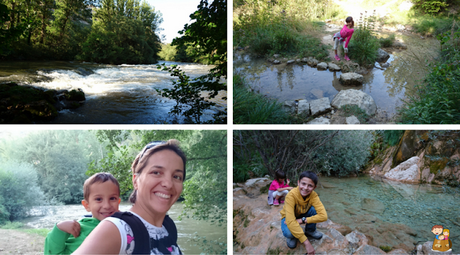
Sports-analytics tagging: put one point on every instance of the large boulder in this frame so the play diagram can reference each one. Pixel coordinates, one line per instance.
(348, 79)
(320, 106)
(407, 171)
(303, 108)
(355, 97)
(382, 56)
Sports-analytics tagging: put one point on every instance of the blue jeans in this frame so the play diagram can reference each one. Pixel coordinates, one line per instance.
(311, 227)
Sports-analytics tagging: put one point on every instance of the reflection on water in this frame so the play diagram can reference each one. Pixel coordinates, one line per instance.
(47, 216)
(418, 206)
(299, 81)
(114, 93)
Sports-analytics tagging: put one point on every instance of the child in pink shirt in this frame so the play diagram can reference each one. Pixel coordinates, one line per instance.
(344, 34)
(278, 190)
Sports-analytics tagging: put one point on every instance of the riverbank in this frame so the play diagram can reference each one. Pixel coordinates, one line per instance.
(15, 241)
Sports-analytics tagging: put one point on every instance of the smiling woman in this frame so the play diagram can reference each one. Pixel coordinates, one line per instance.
(158, 176)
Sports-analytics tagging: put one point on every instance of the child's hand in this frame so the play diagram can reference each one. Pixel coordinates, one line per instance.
(287, 182)
(70, 226)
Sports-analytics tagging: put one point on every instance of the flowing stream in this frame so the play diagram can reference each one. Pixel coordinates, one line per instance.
(297, 81)
(115, 94)
(379, 208)
(187, 228)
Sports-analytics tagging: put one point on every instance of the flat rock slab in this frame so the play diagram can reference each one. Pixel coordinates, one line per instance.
(320, 106)
(322, 66)
(351, 79)
(333, 67)
(355, 97)
(320, 120)
(303, 107)
(352, 120)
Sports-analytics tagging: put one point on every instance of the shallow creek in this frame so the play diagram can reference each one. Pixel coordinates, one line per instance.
(114, 93)
(187, 228)
(375, 205)
(388, 87)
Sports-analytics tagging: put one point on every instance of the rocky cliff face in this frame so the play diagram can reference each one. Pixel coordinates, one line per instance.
(257, 229)
(421, 157)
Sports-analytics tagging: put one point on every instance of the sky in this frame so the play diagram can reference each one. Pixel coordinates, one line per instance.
(176, 13)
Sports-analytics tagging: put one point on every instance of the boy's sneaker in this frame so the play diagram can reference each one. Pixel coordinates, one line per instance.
(315, 235)
(291, 242)
(276, 202)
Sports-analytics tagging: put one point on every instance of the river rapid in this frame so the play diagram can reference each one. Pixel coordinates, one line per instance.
(115, 94)
(388, 87)
(187, 228)
(373, 206)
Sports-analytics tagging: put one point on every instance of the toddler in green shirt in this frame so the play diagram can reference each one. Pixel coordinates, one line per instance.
(102, 197)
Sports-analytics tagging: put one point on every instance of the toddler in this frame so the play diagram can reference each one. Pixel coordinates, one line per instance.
(344, 34)
(278, 190)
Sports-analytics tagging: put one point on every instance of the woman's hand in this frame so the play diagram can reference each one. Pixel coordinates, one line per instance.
(309, 248)
(70, 226)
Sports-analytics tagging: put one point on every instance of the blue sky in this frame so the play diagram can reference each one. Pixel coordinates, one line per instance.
(175, 15)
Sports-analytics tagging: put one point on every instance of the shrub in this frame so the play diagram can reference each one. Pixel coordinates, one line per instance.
(387, 41)
(18, 183)
(364, 45)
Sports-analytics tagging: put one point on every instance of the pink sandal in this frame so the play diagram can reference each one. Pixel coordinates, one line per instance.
(337, 58)
(347, 58)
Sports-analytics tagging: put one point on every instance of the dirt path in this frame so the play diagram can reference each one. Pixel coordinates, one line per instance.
(16, 242)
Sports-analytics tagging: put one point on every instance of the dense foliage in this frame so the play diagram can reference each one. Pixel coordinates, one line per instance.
(364, 45)
(121, 31)
(283, 27)
(18, 190)
(260, 152)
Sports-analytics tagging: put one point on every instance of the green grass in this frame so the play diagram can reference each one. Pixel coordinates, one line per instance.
(252, 108)
(349, 110)
(12, 225)
(387, 41)
(39, 231)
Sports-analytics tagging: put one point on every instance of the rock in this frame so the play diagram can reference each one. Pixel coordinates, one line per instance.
(427, 250)
(252, 186)
(322, 66)
(312, 62)
(276, 62)
(398, 252)
(276, 55)
(42, 109)
(239, 191)
(400, 45)
(320, 120)
(290, 62)
(352, 120)
(84, 71)
(355, 97)
(407, 171)
(382, 56)
(356, 239)
(303, 108)
(348, 79)
(289, 106)
(320, 106)
(333, 67)
(305, 60)
(317, 93)
(385, 65)
(367, 249)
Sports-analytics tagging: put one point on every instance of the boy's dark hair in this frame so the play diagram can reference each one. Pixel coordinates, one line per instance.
(310, 175)
(98, 177)
(279, 175)
(350, 19)
(141, 159)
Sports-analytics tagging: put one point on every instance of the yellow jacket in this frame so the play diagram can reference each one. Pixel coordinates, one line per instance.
(295, 205)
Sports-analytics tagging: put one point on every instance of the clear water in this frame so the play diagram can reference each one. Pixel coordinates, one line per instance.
(115, 93)
(187, 228)
(388, 87)
(418, 206)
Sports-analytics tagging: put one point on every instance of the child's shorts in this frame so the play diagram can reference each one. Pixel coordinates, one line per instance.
(339, 40)
(273, 193)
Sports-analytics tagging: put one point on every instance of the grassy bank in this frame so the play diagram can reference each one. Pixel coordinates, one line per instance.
(252, 108)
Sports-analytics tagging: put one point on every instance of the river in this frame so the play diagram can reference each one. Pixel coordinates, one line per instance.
(115, 94)
(388, 87)
(187, 228)
(382, 208)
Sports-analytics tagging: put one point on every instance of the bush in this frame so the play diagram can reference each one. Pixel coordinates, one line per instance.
(18, 183)
(387, 41)
(252, 108)
(364, 45)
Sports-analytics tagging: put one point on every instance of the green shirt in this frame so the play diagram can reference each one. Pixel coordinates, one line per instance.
(60, 242)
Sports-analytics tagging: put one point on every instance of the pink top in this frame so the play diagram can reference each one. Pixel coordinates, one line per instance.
(346, 33)
(276, 185)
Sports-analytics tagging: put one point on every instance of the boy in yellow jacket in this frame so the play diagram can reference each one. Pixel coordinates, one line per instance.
(302, 206)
